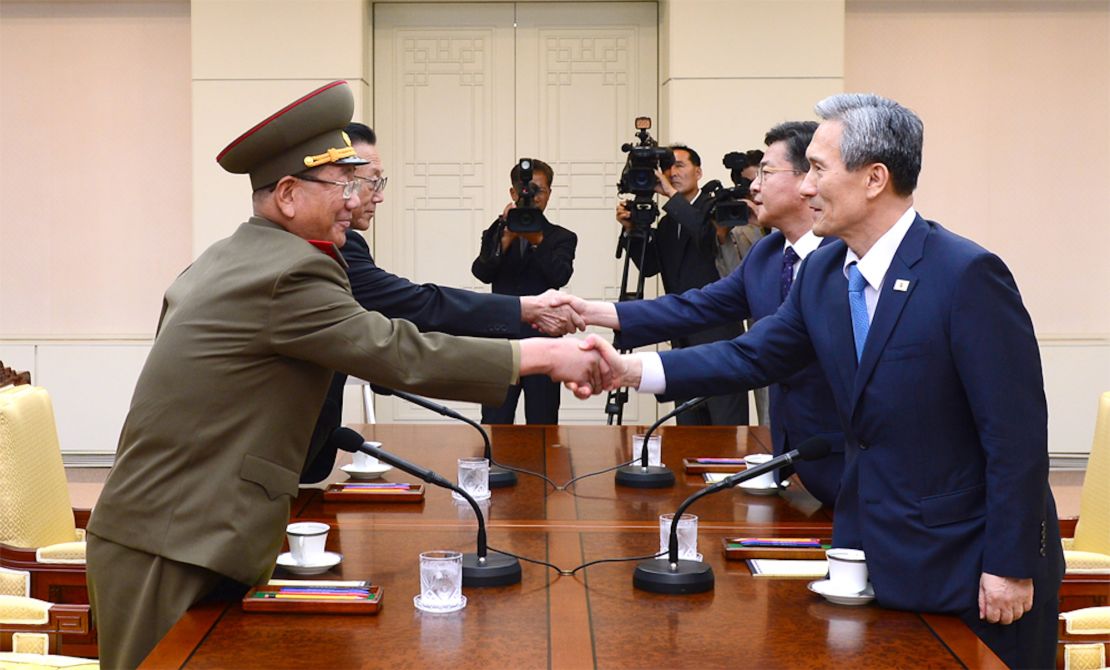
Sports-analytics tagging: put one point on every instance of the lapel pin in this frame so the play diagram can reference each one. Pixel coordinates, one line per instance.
(901, 284)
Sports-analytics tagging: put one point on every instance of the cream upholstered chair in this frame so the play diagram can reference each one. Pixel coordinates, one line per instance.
(1089, 551)
(35, 510)
(34, 628)
(1084, 636)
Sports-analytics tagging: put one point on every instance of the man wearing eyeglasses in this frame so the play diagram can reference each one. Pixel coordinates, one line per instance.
(215, 438)
(520, 264)
(801, 406)
(682, 250)
(432, 308)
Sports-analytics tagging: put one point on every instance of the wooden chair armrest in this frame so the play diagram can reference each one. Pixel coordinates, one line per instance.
(1067, 526)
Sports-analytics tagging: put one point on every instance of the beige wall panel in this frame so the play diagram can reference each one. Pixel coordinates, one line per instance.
(1015, 102)
(283, 39)
(222, 110)
(745, 110)
(752, 38)
(100, 94)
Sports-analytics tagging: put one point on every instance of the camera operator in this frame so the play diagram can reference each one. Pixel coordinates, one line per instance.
(733, 242)
(683, 249)
(527, 263)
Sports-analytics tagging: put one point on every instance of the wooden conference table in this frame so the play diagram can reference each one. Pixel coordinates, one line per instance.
(595, 619)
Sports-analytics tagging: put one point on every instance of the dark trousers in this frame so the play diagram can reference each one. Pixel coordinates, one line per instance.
(1029, 642)
(541, 402)
(720, 410)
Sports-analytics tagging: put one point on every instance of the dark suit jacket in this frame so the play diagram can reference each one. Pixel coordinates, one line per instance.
(428, 306)
(682, 249)
(945, 418)
(802, 404)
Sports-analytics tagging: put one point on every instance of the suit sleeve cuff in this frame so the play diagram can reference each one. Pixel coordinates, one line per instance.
(652, 378)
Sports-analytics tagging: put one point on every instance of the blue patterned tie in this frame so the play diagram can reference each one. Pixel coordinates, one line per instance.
(858, 304)
(789, 258)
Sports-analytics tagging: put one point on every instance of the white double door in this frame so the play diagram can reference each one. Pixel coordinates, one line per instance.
(461, 91)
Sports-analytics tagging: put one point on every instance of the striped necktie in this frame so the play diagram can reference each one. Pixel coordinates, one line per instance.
(786, 279)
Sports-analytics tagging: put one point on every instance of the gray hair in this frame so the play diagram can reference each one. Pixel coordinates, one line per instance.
(877, 130)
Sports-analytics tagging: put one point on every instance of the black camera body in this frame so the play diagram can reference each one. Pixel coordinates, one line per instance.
(638, 176)
(727, 208)
(525, 217)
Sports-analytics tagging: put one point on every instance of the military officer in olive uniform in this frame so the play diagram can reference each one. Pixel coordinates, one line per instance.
(249, 335)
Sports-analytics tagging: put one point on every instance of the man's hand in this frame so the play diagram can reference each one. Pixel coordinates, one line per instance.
(592, 312)
(624, 215)
(663, 185)
(533, 238)
(569, 360)
(1004, 599)
(550, 315)
(624, 369)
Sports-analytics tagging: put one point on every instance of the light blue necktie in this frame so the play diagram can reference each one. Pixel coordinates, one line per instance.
(858, 304)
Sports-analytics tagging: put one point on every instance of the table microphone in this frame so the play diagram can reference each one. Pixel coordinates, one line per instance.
(644, 476)
(479, 569)
(498, 476)
(672, 575)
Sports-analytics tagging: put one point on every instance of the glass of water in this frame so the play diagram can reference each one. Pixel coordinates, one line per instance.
(655, 449)
(440, 582)
(687, 536)
(473, 478)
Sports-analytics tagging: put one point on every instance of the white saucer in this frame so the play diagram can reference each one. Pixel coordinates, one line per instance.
(822, 588)
(329, 561)
(762, 490)
(372, 472)
(418, 602)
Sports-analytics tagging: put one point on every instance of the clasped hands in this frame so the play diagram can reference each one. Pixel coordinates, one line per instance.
(586, 367)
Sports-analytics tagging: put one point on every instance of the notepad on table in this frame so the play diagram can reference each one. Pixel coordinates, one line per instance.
(788, 568)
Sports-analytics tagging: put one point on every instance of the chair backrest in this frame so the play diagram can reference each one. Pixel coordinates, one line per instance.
(1092, 531)
(35, 509)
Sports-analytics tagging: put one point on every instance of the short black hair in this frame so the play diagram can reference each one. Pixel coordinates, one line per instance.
(694, 157)
(797, 135)
(537, 165)
(360, 132)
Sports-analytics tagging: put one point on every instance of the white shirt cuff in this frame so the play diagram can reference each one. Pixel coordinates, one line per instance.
(652, 377)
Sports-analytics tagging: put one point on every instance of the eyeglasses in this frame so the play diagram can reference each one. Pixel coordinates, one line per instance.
(375, 184)
(764, 171)
(349, 187)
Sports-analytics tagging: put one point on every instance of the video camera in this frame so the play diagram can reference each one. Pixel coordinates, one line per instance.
(525, 217)
(726, 207)
(638, 176)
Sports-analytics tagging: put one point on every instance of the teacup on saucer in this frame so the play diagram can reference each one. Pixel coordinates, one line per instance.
(825, 589)
(370, 472)
(757, 490)
(329, 560)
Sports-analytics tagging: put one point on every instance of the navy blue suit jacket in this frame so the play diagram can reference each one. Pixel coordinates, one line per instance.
(431, 307)
(945, 418)
(802, 404)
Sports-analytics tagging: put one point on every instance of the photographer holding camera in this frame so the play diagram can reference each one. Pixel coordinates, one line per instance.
(735, 239)
(683, 249)
(524, 254)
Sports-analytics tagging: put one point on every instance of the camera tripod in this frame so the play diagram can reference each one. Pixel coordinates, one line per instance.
(615, 400)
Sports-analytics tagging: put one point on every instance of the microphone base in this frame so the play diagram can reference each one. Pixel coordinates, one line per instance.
(651, 477)
(500, 478)
(498, 570)
(656, 575)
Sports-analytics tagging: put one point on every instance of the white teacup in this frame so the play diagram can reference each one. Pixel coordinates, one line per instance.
(847, 570)
(765, 480)
(364, 461)
(307, 540)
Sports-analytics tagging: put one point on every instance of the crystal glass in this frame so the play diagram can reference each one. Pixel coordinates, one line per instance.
(440, 582)
(655, 448)
(473, 478)
(687, 536)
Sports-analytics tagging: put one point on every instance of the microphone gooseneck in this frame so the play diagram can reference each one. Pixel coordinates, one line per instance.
(479, 569)
(643, 476)
(672, 575)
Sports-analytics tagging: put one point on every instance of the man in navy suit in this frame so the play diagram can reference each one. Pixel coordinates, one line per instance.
(429, 306)
(802, 405)
(935, 371)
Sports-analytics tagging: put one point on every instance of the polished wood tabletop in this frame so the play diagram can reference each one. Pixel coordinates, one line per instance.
(594, 618)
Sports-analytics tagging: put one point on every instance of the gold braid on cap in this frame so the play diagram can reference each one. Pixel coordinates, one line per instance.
(330, 157)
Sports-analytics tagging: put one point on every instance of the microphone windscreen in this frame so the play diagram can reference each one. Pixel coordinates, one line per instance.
(346, 439)
(813, 449)
(381, 390)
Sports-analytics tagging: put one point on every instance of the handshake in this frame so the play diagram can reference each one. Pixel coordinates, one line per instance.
(585, 366)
